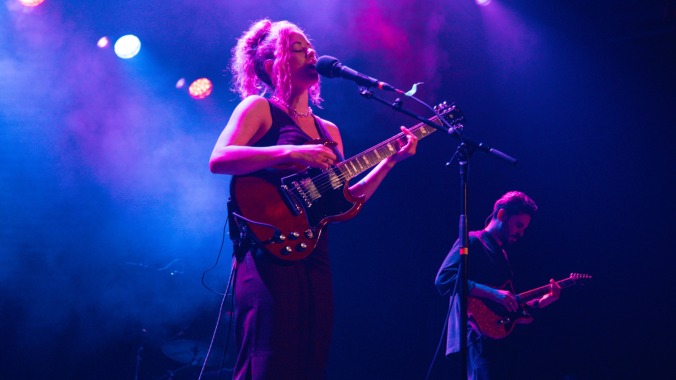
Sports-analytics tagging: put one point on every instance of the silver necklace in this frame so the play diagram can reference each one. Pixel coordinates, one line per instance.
(291, 109)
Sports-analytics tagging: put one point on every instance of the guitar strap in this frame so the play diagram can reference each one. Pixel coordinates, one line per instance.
(324, 133)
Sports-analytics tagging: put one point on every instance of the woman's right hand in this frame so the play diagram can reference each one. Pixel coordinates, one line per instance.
(313, 155)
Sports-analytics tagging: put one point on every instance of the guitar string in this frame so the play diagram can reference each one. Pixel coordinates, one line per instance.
(324, 181)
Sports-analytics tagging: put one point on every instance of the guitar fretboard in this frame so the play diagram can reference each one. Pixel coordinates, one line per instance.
(524, 297)
(356, 165)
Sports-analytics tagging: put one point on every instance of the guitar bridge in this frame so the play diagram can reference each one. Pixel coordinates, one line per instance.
(300, 194)
(290, 200)
(308, 191)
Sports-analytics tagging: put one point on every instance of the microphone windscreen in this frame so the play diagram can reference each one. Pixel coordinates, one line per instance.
(325, 66)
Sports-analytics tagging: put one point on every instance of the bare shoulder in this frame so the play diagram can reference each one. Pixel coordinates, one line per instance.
(330, 127)
(250, 120)
(254, 110)
(253, 103)
(334, 133)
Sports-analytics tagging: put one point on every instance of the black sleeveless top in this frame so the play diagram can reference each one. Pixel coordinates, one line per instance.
(285, 131)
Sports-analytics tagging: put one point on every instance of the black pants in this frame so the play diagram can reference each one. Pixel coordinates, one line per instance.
(283, 316)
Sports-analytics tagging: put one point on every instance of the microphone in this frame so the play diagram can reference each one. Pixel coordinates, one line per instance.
(330, 67)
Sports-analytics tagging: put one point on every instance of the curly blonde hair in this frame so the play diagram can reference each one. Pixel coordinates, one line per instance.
(265, 40)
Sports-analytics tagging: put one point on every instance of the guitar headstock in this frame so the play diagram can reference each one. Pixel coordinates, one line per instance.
(580, 278)
(451, 113)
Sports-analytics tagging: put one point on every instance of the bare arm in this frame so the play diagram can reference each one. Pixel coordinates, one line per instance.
(251, 119)
(370, 183)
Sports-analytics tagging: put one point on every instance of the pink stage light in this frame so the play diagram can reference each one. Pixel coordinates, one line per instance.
(103, 42)
(200, 88)
(31, 3)
(482, 3)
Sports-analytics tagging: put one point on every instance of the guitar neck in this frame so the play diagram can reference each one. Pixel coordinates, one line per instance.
(356, 165)
(532, 294)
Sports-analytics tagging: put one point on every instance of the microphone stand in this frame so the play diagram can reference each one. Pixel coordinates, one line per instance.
(464, 151)
(398, 106)
(463, 236)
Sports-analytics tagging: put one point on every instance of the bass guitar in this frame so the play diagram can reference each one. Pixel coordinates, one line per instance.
(286, 212)
(494, 321)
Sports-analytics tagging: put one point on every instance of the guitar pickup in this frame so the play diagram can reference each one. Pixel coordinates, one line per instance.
(291, 200)
(309, 191)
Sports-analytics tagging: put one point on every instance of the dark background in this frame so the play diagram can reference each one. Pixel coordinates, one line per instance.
(110, 217)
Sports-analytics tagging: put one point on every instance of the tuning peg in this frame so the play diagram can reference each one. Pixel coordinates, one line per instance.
(441, 106)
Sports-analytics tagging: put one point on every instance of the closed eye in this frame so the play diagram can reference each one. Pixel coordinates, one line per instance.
(297, 47)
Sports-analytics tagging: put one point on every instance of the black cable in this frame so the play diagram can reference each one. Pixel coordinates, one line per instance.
(233, 270)
(218, 258)
(255, 222)
(231, 279)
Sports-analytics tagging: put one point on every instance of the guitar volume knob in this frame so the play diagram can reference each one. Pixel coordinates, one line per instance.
(294, 235)
(301, 247)
(287, 250)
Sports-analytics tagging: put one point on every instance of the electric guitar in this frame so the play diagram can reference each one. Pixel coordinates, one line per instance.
(286, 213)
(494, 321)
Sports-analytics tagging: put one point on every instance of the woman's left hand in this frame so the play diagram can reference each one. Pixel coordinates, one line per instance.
(409, 148)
